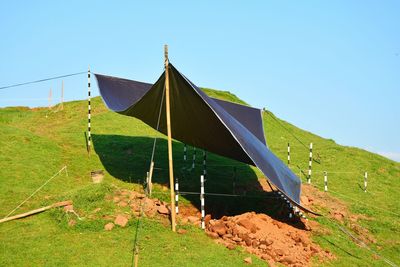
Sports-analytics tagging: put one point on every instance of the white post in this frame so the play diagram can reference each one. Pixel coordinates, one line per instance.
(310, 164)
(325, 181)
(288, 154)
(365, 181)
(184, 152)
(176, 195)
(202, 202)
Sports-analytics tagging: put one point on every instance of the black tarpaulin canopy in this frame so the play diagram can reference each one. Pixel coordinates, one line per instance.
(224, 128)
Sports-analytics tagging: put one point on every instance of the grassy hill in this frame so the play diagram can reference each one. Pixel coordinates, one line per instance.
(36, 143)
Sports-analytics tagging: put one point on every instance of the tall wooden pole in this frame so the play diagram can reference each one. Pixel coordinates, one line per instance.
(171, 165)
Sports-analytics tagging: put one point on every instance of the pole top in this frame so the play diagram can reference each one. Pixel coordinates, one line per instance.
(166, 60)
(88, 68)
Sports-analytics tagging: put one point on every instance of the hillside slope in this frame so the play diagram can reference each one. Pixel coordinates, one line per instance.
(36, 143)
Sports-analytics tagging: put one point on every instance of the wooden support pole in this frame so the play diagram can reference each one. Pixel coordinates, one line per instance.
(89, 114)
(288, 154)
(26, 214)
(171, 164)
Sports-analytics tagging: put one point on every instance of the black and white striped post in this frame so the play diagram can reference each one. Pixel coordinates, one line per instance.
(310, 164)
(203, 213)
(325, 181)
(365, 181)
(89, 113)
(184, 152)
(194, 158)
(288, 154)
(176, 195)
(204, 162)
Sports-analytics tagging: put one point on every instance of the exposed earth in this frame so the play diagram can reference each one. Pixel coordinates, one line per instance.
(285, 242)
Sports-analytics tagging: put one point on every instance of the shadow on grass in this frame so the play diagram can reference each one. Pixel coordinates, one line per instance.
(128, 158)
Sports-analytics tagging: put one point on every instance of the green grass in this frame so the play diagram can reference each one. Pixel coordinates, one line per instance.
(35, 144)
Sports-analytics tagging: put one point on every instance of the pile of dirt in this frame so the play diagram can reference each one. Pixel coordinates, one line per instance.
(267, 238)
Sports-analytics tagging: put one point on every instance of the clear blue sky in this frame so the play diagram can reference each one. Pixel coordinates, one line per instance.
(331, 67)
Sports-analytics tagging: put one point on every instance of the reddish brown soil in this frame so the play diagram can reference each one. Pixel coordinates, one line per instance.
(266, 238)
(274, 241)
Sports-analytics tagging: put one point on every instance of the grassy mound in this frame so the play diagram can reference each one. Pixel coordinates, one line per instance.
(36, 143)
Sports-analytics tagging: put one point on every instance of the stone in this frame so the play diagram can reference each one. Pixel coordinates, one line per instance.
(248, 241)
(207, 219)
(71, 223)
(219, 229)
(121, 220)
(109, 226)
(263, 246)
(116, 199)
(247, 224)
(212, 235)
(248, 260)
(163, 210)
(279, 252)
(237, 239)
(227, 236)
(192, 219)
(181, 231)
(231, 246)
(288, 260)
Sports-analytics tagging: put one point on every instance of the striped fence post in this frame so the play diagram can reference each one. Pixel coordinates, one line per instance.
(184, 152)
(325, 181)
(203, 214)
(176, 195)
(310, 164)
(365, 181)
(89, 113)
(288, 154)
(204, 162)
(194, 158)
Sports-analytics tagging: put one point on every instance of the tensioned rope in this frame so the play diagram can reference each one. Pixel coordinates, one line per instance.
(155, 140)
(287, 130)
(43, 80)
(158, 124)
(360, 242)
(364, 204)
(37, 190)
